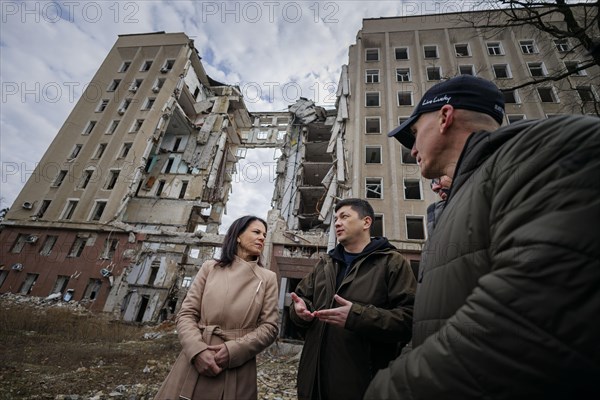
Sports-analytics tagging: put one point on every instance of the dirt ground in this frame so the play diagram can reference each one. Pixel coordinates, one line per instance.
(51, 350)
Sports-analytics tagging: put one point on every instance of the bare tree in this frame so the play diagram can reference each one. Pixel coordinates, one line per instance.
(574, 26)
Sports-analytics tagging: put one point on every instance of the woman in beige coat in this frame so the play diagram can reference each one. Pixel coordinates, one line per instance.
(228, 316)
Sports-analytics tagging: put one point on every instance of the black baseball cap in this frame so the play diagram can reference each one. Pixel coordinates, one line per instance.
(465, 91)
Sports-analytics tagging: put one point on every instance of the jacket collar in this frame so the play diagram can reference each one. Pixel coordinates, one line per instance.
(377, 243)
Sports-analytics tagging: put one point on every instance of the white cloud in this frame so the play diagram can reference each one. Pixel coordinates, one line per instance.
(282, 48)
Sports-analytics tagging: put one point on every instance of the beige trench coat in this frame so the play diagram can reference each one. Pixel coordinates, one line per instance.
(235, 305)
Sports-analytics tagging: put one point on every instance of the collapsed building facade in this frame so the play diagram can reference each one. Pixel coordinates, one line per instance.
(126, 203)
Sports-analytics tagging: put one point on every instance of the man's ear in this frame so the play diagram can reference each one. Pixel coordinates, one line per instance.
(368, 222)
(446, 118)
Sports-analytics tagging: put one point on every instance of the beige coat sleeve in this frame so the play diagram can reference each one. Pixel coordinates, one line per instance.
(189, 315)
(249, 345)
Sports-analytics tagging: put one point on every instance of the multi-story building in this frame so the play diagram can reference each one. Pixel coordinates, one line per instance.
(126, 202)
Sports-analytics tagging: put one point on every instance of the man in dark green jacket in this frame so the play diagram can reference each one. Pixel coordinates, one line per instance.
(356, 307)
(508, 299)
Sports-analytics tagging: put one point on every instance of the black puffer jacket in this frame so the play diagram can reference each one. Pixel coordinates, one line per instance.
(508, 302)
(381, 286)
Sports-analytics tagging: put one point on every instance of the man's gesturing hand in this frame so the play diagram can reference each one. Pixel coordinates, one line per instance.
(335, 316)
(300, 308)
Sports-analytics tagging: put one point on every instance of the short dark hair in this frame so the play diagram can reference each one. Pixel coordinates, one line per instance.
(229, 247)
(362, 207)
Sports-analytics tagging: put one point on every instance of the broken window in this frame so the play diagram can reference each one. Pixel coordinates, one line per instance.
(48, 245)
(92, 289)
(510, 96)
(77, 247)
(412, 189)
(462, 50)
(168, 66)
(372, 99)
(168, 166)
(110, 246)
(501, 71)
(113, 85)
(59, 178)
(69, 209)
(19, 243)
(184, 186)
(547, 94)
(528, 46)
(102, 106)
(61, 284)
(146, 66)
(85, 178)
(401, 53)
(536, 69)
(562, 45)
(28, 284)
(137, 125)
(149, 103)
(405, 98)
(159, 189)
(373, 154)
(434, 73)
(430, 51)
(372, 54)
(466, 70)
(374, 188)
(494, 49)
(89, 127)
(100, 150)
(402, 74)
(372, 76)
(98, 210)
(154, 268)
(415, 228)
(112, 179)
(135, 85)
(43, 208)
(373, 125)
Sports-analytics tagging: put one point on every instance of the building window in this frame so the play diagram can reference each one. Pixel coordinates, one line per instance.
(69, 209)
(501, 71)
(85, 178)
(186, 282)
(528, 46)
(373, 155)
(412, 189)
(125, 66)
(19, 243)
(372, 76)
(547, 95)
(405, 99)
(434, 73)
(466, 70)
(510, 96)
(98, 210)
(135, 85)
(77, 247)
(372, 54)
(146, 66)
(113, 85)
(402, 74)
(494, 48)
(102, 105)
(512, 118)
(28, 284)
(374, 188)
(48, 245)
(262, 135)
(92, 289)
(112, 127)
(159, 189)
(562, 45)
(149, 103)
(415, 228)
(110, 247)
(61, 284)
(169, 165)
(158, 84)
(112, 179)
(89, 127)
(407, 158)
(586, 93)
(100, 150)
(372, 125)
(167, 66)
(372, 99)
(125, 150)
(43, 208)
(536, 69)
(401, 53)
(574, 68)
(377, 226)
(75, 151)
(59, 178)
(137, 125)
(124, 106)
(430, 51)
(462, 50)
(184, 186)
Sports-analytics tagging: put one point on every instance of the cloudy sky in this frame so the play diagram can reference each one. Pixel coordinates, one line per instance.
(276, 51)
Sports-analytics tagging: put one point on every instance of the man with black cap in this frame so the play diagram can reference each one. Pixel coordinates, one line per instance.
(507, 302)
